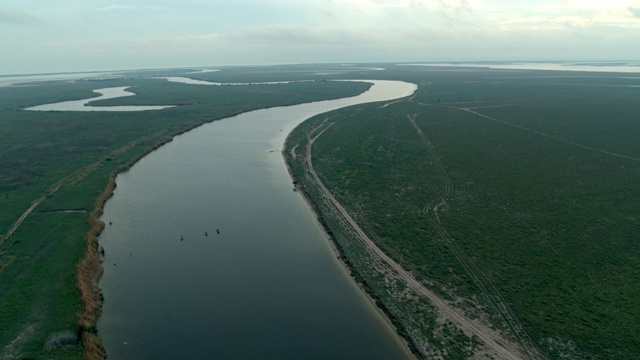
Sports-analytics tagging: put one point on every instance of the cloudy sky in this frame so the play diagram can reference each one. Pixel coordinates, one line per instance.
(79, 35)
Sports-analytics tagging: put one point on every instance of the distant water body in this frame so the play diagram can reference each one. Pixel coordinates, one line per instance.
(33, 79)
(25, 80)
(212, 255)
(186, 80)
(574, 66)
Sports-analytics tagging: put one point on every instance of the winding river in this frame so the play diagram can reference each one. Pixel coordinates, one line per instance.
(267, 286)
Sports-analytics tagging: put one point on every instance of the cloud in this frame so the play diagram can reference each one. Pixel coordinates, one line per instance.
(129, 8)
(635, 12)
(256, 39)
(456, 5)
(298, 35)
(13, 17)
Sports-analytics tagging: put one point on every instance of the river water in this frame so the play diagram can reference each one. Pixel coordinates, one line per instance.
(267, 286)
(106, 93)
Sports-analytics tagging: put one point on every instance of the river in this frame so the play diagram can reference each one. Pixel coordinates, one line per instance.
(267, 286)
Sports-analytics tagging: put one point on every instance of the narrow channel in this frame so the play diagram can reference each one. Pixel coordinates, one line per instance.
(267, 286)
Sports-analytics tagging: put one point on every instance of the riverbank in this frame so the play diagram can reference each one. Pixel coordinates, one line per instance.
(289, 155)
(90, 268)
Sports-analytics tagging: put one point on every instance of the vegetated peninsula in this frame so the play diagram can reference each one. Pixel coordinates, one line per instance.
(493, 214)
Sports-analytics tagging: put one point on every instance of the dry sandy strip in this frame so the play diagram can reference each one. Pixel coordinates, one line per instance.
(501, 347)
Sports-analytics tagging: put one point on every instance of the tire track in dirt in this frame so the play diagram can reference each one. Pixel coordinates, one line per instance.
(485, 285)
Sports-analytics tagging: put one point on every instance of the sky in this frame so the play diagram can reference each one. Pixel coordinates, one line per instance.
(39, 36)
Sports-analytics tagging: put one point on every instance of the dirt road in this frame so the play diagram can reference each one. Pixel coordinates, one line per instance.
(69, 178)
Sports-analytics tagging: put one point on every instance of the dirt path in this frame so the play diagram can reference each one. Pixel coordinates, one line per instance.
(78, 174)
(501, 347)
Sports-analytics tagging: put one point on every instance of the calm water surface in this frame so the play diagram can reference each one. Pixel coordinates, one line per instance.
(106, 93)
(185, 80)
(267, 286)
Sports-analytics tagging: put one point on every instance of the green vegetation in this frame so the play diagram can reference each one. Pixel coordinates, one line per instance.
(519, 203)
(40, 299)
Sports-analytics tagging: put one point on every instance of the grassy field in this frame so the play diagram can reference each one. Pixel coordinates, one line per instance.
(79, 151)
(519, 204)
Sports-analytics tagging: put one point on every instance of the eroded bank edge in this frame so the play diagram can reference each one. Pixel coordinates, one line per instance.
(341, 255)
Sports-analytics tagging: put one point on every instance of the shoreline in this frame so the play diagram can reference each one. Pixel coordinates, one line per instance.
(89, 269)
(344, 261)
